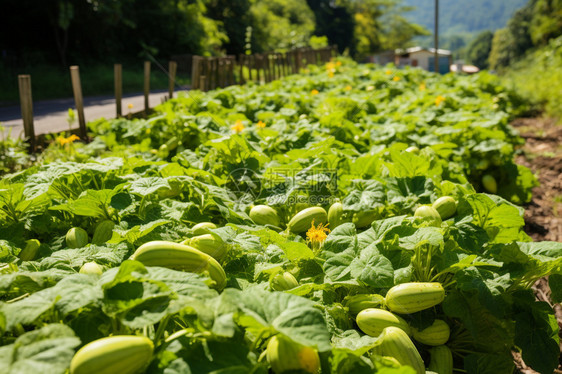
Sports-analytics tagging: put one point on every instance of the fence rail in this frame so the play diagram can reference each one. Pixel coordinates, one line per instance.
(207, 73)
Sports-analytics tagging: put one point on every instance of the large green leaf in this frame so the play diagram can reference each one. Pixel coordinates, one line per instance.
(46, 350)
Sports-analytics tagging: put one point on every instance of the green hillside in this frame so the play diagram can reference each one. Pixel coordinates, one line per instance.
(462, 16)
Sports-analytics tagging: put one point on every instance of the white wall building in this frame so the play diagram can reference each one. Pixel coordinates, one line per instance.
(424, 58)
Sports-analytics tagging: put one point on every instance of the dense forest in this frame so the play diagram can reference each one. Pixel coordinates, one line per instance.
(531, 27)
(43, 38)
(103, 30)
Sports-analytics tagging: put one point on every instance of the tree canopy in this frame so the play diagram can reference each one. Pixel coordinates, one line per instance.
(530, 27)
(73, 31)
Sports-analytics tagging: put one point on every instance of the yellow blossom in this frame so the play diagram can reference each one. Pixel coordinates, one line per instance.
(348, 88)
(238, 126)
(388, 72)
(314, 92)
(396, 79)
(317, 234)
(439, 99)
(62, 140)
(260, 124)
(422, 87)
(330, 66)
(330, 74)
(130, 106)
(338, 63)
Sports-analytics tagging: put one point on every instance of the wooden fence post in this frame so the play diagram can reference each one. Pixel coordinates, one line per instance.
(298, 61)
(276, 74)
(26, 103)
(202, 83)
(216, 71)
(267, 67)
(173, 66)
(208, 73)
(221, 70)
(251, 63)
(259, 63)
(231, 80)
(78, 100)
(118, 76)
(282, 64)
(241, 63)
(146, 86)
(195, 72)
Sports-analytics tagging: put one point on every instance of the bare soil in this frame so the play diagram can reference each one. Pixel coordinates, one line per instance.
(542, 153)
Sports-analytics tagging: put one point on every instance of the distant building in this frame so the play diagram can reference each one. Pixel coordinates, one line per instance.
(416, 56)
(424, 58)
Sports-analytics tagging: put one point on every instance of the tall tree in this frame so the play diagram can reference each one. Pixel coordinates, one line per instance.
(478, 50)
(280, 24)
(334, 21)
(546, 22)
(235, 18)
(512, 42)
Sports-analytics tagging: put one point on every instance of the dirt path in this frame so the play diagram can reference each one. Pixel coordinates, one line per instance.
(542, 153)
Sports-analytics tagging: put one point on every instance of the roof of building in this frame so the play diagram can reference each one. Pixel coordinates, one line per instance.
(442, 52)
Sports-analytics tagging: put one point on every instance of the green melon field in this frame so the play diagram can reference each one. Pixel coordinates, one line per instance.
(350, 219)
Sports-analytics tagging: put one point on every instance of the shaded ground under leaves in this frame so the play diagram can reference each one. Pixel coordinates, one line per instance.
(542, 153)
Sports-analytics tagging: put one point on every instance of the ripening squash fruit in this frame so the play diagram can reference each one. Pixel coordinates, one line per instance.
(30, 250)
(436, 334)
(412, 297)
(180, 257)
(76, 237)
(265, 215)
(396, 343)
(428, 214)
(283, 281)
(446, 206)
(335, 214)
(489, 183)
(201, 228)
(413, 149)
(357, 303)
(284, 355)
(120, 354)
(103, 232)
(373, 321)
(91, 268)
(210, 244)
(441, 360)
(302, 221)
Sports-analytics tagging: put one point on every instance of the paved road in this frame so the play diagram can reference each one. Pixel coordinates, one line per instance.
(50, 115)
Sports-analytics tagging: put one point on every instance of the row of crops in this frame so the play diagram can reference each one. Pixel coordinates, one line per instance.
(350, 219)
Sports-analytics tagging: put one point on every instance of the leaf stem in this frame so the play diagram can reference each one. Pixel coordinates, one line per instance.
(161, 328)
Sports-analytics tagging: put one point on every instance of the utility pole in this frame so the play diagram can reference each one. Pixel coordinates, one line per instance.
(436, 36)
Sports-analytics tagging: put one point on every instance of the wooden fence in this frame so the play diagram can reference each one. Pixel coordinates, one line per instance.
(207, 73)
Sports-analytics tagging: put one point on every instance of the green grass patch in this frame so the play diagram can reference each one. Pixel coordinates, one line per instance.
(538, 78)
